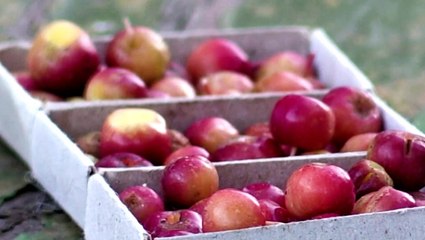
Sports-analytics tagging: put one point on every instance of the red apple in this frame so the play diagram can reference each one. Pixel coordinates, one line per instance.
(26, 81)
(385, 199)
(141, 50)
(283, 81)
(285, 61)
(175, 87)
(419, 198)
(115, 83)
(186, 151)
(259, 129)
(402, 154)
(89, 143)
(45, 96)
(318, 188)
(122, 159)
(178, 139)
(225, 83)
(188, 180)
(199, 206)
(272, 211)
(176, 69)
(359, 142)
(173, 223)
(265, 190)
(142, 201)
(303, 122)
(211, 133)
(136, 130)
(62, 58)
(355, 112)
(231, 209)
(216, 55)
(368, 176)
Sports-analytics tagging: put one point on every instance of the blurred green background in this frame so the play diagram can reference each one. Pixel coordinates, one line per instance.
(385, 39)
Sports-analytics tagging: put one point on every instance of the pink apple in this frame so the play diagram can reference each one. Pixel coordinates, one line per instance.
(359, 142)
(89, 143)
(265, 190)
(175, 87)
(186, 151)
(225, 83)
(173, 223)
(122, 159)
(283, 81)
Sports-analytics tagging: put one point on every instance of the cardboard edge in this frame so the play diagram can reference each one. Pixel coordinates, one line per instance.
(60, 167)
(105, 219)
(334, 63)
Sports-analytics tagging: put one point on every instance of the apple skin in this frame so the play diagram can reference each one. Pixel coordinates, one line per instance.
(419, 198)
(318, 188)
(385, 199)
(284, 61)
(283, 82)
(136, 130)
(272, 211)
(175, 87)
(122, 159)
(142, 201)
(402, 154)
(115, 83)
(199, 206)
(89, 143)
(231, 209)
(188, 180)
(62, 58)
(265, 190)
(211, 133)
(355, 113)
(141, 50)
(216, 55)
(178, 139)
(26, 81)
(173, 223)
(258, 130)
(45, 96)
(303, 122)
(186, 151)
(225, 83)
(359, 142)
(368, 176)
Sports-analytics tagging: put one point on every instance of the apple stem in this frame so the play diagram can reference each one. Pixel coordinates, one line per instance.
(127, 24)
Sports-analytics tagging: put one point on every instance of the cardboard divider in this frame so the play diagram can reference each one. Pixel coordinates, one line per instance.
(60, 167)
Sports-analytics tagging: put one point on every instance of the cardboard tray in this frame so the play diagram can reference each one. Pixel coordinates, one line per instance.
(108, 218)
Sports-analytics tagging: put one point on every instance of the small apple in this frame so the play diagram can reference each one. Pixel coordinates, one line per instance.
(283, 81)
(123, 160)
(115, 83)
(319, 188)
(175, 87)
(141, 50)
(402, 154)
(225, 83)
(216, 55)
(188, 180)
(285, 61)
(142, 201)
(303, 122)
(211, 133)
(62, 58)
(231, 209)
(136, 130)
(173, 223)
(186, 151)
(355, 112)
(359, 142)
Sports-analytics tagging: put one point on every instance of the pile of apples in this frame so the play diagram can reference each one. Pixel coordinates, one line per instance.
(63, 63)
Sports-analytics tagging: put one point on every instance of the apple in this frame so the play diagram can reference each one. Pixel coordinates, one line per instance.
(176, 69)
(26, 81)
(325, 215)
(359, 142)
(272, 211)
(283, 81)
(402, 154)
(142, 201)
(368, 176)
(115, 83)
(285, 61)
(173, 223)
(214, 55)
(385, 199)
(211, 133)
(178, 139)
(45, 96)
(152, 93)
(141, 50)
(303, 122)
(265, 190)
(258, 129)
(136, 130)
(225, 83)
(199, 206)
(89, 143)
(62, 58)
(319, 188)
(188, 180)
(355, 112)
(122, 159)
(186, 151)
(231, 209)
(175, 87)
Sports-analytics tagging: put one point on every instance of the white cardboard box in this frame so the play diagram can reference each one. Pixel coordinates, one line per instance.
(62, 168)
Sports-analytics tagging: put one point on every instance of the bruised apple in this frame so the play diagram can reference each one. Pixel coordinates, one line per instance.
(319, 188)
(231, 209)
(303, 122)
(188, 180)
(62, 58)
(141, 50)
(225, 83)
(136, 130)
(175, 87)
(115, 83)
